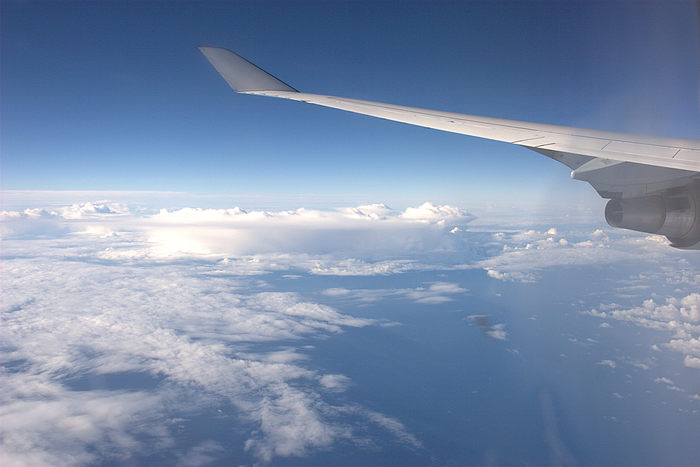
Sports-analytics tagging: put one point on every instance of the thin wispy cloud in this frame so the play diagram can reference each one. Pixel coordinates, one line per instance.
(430, 293)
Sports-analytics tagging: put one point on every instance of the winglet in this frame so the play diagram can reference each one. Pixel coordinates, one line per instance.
(240, 74)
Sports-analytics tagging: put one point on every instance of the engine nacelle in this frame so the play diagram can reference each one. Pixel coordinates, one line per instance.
(674, 213)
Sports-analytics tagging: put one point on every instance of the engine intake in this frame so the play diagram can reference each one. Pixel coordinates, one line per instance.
(674, 213)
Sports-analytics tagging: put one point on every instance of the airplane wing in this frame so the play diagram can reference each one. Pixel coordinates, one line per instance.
(676, 153)
(619, 166)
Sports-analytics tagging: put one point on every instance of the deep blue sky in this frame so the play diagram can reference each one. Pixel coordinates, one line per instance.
(116, 96)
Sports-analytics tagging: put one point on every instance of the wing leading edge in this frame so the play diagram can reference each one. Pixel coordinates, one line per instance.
(618, 165)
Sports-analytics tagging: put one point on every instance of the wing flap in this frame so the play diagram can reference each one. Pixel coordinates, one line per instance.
(625, 147)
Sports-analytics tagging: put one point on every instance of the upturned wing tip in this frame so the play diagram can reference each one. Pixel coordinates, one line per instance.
(239, 73)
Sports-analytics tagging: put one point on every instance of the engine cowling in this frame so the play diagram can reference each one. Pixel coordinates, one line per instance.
(674, 213)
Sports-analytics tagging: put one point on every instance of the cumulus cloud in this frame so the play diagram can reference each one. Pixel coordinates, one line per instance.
(428, 212)
(517, 276)
(680, 316)
(368, 212)
(93, 210)
(692, 362)
(526, 252)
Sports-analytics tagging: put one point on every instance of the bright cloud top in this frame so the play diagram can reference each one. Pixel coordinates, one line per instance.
(373, 229)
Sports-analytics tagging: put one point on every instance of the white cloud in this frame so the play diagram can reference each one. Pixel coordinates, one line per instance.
(93, 210)
(663, 380)
(180, 322)
(526, 252)
(692, 362)
(445, 287)
(365, 240)
(681, 316)
(368, 212)
(609, 363)
(372, 228)
(431, 293)
(498, 332)
(337, 383)
(428, 212)
(46, 424)
(511, 276)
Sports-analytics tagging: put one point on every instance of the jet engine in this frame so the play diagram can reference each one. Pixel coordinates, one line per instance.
(674, 213)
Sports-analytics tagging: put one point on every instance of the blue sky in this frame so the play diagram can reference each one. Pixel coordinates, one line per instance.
(115, 95)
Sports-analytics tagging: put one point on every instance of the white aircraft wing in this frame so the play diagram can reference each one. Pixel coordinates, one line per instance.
(675, 153)
(619, 166)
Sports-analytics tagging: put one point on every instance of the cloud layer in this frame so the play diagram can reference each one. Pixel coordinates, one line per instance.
(97, 292)
(177, 300)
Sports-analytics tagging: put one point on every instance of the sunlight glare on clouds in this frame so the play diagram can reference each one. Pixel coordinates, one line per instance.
(373, 228)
